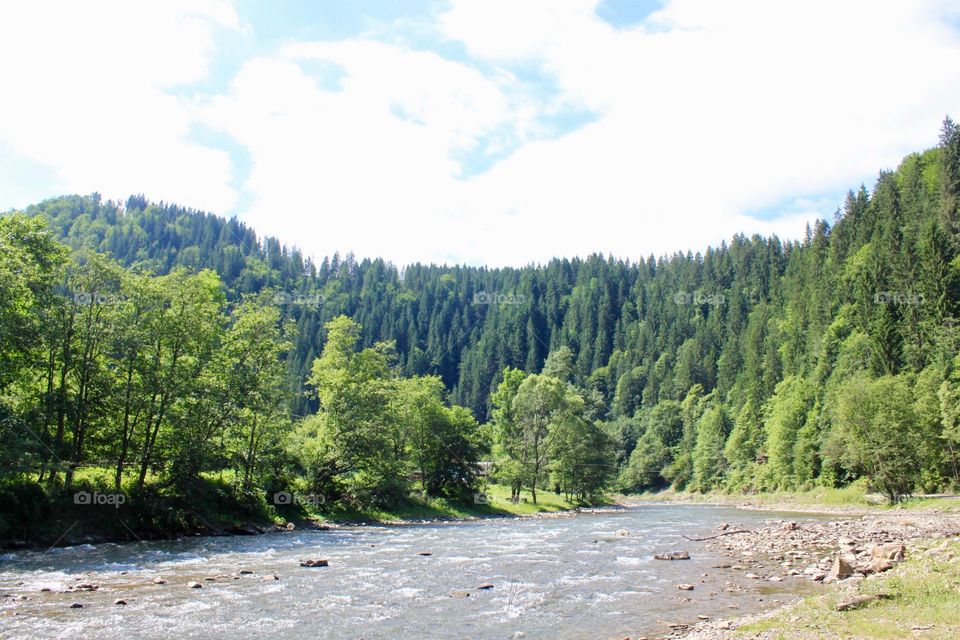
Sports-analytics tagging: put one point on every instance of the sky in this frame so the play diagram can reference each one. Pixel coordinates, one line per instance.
(497, 132)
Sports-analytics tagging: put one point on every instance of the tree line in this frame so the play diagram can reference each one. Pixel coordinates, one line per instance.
(172, 344)
(118, 379)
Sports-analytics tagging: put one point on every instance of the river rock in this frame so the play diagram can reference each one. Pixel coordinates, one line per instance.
(459, 594)
(425, 553)
(620, 533)
(120, 602)
(894, 552)
(315, 562)
(245, 572)
(159, 581)
(673, 555)
(76, 605)
(485, 586)
(195, 585)
(244, 530)
(842, 568)
(878, 565)
(685, 587)
(858, 601)
(815, 572)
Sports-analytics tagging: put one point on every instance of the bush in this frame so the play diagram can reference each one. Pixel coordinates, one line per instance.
(24, 506)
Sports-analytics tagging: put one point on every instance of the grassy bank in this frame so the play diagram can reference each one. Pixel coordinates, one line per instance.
(35, 515)
(32, 514)
(493, 501)
(854, 497)
(923, 600)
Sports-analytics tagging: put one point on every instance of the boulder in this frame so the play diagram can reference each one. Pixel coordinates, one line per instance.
(858, 601)
(673, 555)
(878, 565)
(895, 551)
(315, 562)
(842, 568)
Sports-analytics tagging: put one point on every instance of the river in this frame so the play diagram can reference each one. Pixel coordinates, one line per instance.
(570, 577)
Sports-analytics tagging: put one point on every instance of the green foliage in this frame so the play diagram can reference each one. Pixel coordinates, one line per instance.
(709, 463)
(877, 422)
(786, 415)
(174, 344)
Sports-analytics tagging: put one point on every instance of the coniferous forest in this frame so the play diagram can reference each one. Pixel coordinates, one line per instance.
(168, 354)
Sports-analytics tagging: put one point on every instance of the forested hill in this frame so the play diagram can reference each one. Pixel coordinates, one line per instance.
(741, 352)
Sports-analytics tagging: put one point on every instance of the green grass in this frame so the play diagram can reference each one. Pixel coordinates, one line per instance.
(497, 504)
(925, 603)
(40, 515)
(853, 496)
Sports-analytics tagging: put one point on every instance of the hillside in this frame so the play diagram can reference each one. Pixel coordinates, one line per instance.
(758, 364)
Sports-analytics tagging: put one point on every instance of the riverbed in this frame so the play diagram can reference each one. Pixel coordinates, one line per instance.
(582, 576)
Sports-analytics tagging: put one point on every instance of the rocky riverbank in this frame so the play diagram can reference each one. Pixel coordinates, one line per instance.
(844, 552)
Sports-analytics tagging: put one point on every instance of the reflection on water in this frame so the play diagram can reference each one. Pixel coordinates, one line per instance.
(569, 577)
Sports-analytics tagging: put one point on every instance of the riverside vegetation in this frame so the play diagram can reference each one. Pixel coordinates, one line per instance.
(175, 372)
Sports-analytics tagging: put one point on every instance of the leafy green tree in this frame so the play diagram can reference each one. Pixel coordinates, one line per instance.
(510, 447)
(444, 443)
(184, 338)
(543, 406)
(662, 432)
(355, 390)
(786, 415)
(879, 427)
(709, 463)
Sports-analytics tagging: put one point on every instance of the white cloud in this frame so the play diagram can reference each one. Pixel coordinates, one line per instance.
(723, 109)
(368, 167)
(705, 113)
(88, 92)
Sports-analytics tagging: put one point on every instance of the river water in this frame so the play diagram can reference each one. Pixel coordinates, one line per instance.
(568, 577)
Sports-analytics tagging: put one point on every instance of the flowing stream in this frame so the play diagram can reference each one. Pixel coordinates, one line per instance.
(570, 577)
